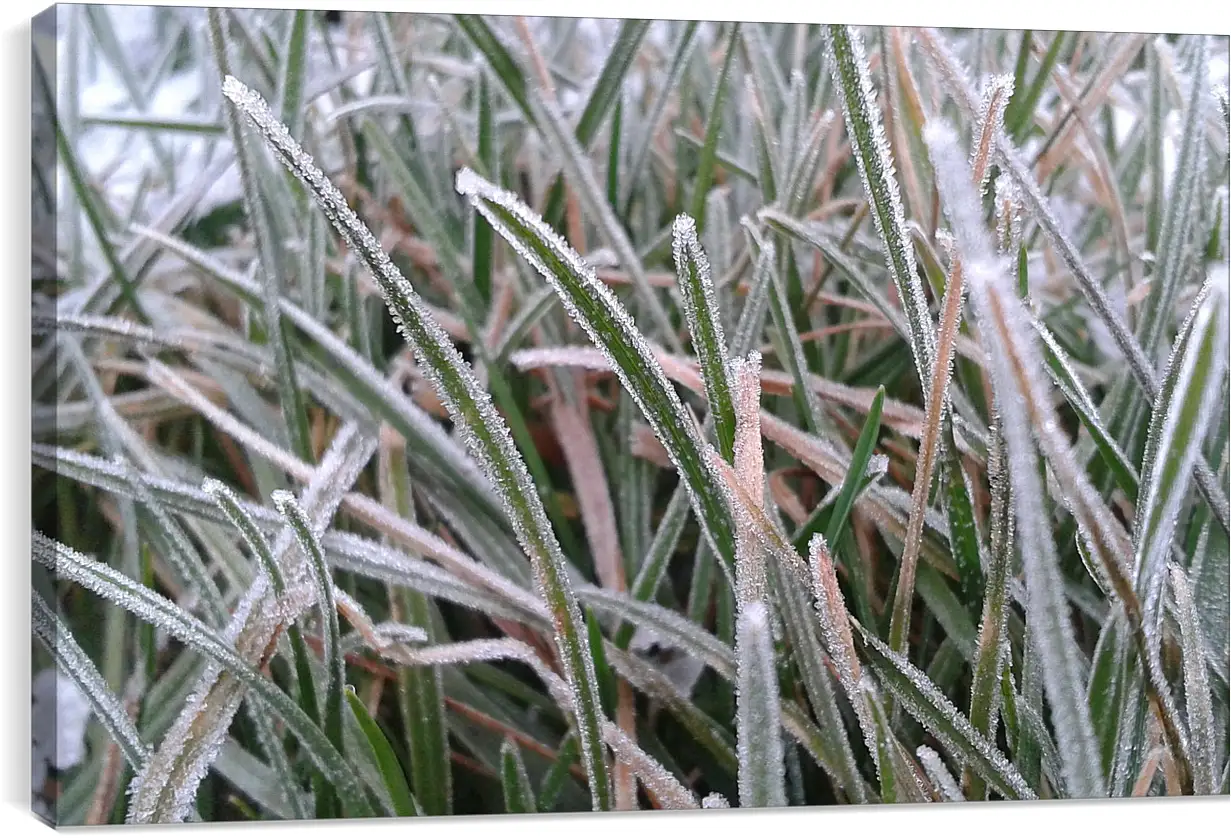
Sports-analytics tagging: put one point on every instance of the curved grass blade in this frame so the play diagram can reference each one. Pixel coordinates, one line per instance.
(485, 433)
(518, 794)
(404, 805)
(76, 664)
(612, 330)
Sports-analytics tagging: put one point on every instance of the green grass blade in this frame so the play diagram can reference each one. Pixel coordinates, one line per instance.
(860, 458)
(713, 127)
(705, 324)
(518, 793)
(404, 805)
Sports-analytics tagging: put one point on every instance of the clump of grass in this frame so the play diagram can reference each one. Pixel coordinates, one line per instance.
(707, 415)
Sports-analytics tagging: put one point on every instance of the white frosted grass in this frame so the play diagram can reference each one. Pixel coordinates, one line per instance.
(222, 651)
(1015, 327)
(75, 664)
(658, 781)
(1020, 392)
(1178, 428)
(1006, 156)
(990, 123)
(750, 471)
(1047, 611)
(834, 621)
(1008, 215)
(932, 709)
(167, 786)
(758, 719)
(1201, 728)
(939, 774)
(832, 614)
(849, 66)
(714, 800)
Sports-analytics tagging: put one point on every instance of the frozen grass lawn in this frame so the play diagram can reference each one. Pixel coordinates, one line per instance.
(455, 414)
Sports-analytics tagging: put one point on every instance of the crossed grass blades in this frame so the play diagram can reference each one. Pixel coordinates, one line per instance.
(768, 415)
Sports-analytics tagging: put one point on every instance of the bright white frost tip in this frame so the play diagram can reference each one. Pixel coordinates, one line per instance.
(469, 183)
(714, 800)
(684, 225)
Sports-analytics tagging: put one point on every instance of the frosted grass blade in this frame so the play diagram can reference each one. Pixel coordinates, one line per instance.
(518, 793)
(612, 330)
(929, 706)
(849, 66)
(705, 325)
(136, 599)
(485, 434)
(1201, 729)
(658, 781)
(758, 723)
(318, 570)
(1191, 392)
(76, 664)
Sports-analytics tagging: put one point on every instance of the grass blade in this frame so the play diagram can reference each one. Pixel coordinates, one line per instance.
(758, 726)
(705, 324)
(852, 78)
(518, 794)
(404, 805)
(611, 329)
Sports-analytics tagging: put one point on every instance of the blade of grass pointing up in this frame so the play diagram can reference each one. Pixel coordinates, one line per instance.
(937, 400)
(758, 724)
(1190, 395)
(485, 433)
(871, 150)
(1201, 728)
(705, 325)
(612, 330)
